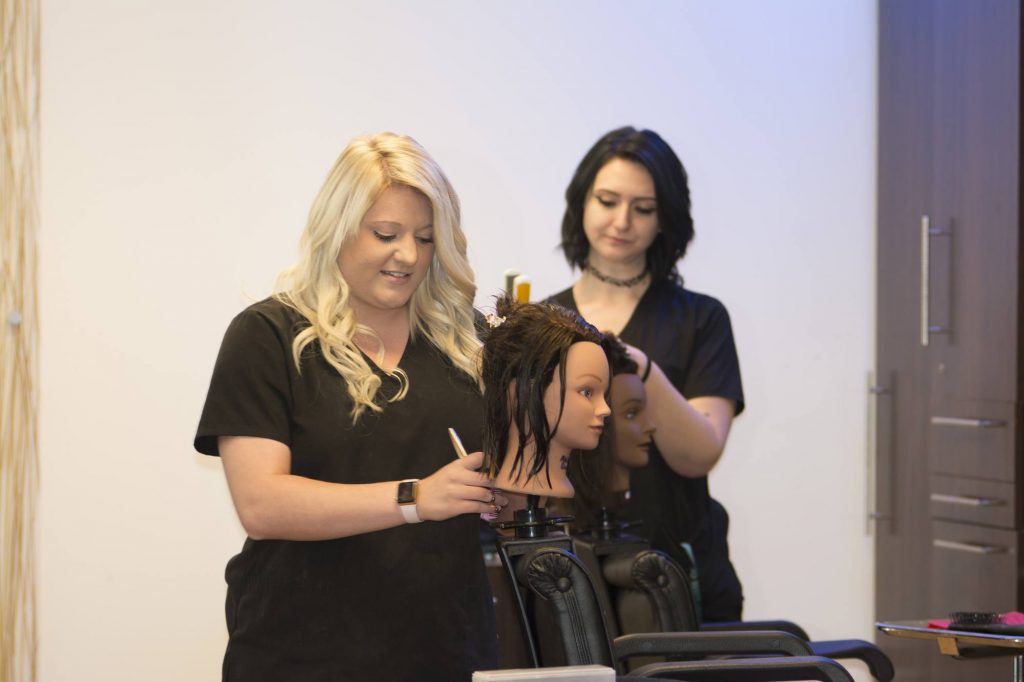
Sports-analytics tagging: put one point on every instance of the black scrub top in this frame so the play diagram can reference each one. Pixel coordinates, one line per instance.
(406, 603)
(690, 337)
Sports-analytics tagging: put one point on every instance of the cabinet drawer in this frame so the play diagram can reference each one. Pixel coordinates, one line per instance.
(973, 439)
(990, 503)
(973, 568)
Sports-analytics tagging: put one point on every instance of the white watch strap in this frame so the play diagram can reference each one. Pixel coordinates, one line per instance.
(409, 512)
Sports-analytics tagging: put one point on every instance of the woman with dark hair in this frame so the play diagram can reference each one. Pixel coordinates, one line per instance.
(545, 377)
(627, 223)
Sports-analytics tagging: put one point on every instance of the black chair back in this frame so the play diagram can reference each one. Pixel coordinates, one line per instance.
(650, 593)
(562, 605)
(642, 590)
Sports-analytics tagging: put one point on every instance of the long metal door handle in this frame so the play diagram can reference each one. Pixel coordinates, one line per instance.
(980, 423)
(872, 513)
(870, 509)
(927, 232)
(925, 267)
(969, 547)
(967, 501)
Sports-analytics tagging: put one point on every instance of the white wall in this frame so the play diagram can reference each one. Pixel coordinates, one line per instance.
(183, 142)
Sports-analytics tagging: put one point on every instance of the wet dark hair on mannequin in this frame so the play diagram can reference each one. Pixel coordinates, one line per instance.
(520, 356)
(672, 193)
(590, 471)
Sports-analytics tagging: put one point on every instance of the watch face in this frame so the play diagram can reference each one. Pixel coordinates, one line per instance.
(407, 492)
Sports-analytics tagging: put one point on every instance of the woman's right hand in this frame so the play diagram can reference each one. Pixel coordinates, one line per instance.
(458, 488)
(637, 356)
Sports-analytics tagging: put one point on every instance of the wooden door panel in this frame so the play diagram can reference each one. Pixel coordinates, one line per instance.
(949, 149)
(972, 500)
(974, 278)
(974, 438)
(973, 568)
(965, 578)
(904, 187)
(947, 669)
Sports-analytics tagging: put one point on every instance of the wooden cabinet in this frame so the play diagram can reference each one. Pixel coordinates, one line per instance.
(948, 507)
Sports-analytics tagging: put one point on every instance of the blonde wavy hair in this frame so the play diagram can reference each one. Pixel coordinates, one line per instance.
(441, 308)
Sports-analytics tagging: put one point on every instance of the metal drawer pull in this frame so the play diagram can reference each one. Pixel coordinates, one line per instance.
(969, 547)
(969, 423)
(967, 501)
(927, 232)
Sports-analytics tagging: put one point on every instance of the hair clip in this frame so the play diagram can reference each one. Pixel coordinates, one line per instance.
(493, 320)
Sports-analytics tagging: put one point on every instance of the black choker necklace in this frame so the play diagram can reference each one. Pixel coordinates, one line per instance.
(614, 281)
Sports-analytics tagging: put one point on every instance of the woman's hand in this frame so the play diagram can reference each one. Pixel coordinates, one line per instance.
(458, 488)
(273, 504)
(637, 356)
(691, 433)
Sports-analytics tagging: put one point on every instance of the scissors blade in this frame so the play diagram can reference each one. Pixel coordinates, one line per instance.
(460, 450)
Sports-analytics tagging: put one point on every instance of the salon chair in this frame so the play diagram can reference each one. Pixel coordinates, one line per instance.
(644, 590)
(563, 622)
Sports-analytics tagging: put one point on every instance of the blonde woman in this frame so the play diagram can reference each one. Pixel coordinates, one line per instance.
(329, 407)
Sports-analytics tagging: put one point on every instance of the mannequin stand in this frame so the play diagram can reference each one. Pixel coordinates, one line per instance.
(533, 531)
(608, 526)
(533, 521)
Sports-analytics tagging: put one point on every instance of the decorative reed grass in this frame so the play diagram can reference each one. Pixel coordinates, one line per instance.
(19, 459)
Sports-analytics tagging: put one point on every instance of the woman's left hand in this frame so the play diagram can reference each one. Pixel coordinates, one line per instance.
(637, 356)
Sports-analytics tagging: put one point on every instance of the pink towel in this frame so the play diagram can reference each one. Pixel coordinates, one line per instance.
(1011, 618)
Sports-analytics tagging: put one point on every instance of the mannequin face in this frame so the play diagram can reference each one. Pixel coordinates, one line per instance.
(582, 421)
(633, 428)
(584, 410)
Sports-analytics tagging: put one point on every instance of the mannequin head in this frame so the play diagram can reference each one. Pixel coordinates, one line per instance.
(545, 378)
(601, 477)
(631, 429)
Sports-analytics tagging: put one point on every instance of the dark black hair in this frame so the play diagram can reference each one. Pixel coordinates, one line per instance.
(675, 225)
(522, 347)
(590, 470)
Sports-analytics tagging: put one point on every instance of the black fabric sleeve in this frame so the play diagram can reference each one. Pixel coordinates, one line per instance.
(250, 391)
(715, 368)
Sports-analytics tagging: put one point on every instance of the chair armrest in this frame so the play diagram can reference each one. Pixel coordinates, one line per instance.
(878, 663)
(784, 625)
(708, 644)
(749, 670)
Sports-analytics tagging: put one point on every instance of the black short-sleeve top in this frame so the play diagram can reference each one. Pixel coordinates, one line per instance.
(690, 336)
(410, 602)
